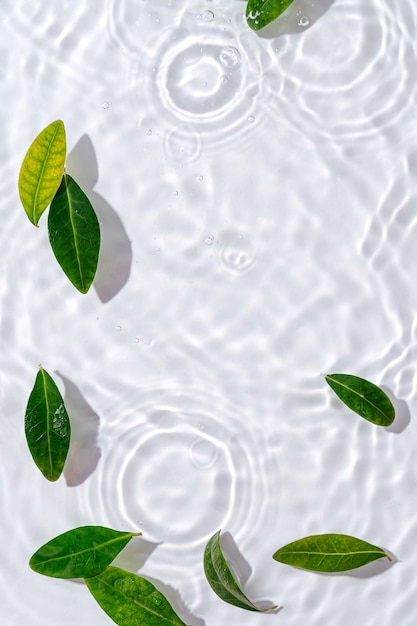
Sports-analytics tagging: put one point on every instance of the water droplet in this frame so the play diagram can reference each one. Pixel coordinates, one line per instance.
(175, 193)
(106, 104)
(230, 57)
(136, 340)
(149, 131)
(206, 16)
(118, 328)
(251, 119)
(303, 21)
(209, 240)
(200, 178)
(224, 79)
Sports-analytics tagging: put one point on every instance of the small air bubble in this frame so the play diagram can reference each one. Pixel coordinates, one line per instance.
(251, 119)
(224, 79)
(106, 104)
(303, 21)
(175, 193)
(206, 16)
(149, 131)
(230, 57)
(118, 328)
(200, 178)
(209, 240)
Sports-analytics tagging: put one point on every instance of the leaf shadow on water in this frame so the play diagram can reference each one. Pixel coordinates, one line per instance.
(174, 598)
(288, 23)
(402, 413)
(83, 454)
(115, 259)
(241, 569)
(135, 554)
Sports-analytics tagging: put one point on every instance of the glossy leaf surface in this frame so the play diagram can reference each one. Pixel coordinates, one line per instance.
(221, 579)
(80, 552)
(130, 600)
(47, 426)
(363, 397)
(260, 13)
(329, 553)
(42, 169)
(74, 233)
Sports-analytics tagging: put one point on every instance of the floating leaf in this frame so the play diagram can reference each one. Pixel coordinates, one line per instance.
(80, 553)
(260, 13)
(221, 579)
(329, 553)
(363, 397)
(41, 171)
(130, 600)
(47, 426)
(74, 233)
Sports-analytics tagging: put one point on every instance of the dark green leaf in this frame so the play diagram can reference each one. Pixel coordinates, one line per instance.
(329, 553)
(363, 397)
(130, 600)
(221, 579)
(260, 13)
(74, 233)
(47, 426)
(41, 171)
(80, 553)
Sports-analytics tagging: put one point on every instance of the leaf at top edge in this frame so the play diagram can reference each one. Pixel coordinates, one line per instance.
(221, 579)
(47, 426)
(42, 169)
(363, 397)
(130, 600)
(74, 233)
(260, 13)
(80, 552)
(329, 553)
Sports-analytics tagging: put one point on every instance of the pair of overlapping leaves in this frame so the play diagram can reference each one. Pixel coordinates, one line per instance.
(73, 228)
(87, 552)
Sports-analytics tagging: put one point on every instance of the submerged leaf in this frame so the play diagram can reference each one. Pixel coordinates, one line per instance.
(41, 171)
(221, 579)
(74, 233)
(80, 552)
(47, 426)
(329, 553)
(260, 13)
(363, 397)
(130, 600)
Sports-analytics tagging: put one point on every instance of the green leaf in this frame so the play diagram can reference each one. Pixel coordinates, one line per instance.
(260, 13)
(41, 171)
(74, 233)
(221, 579)
(47, 426)
(130, 600)
(329, 553)
(363, 397)
(80, 553)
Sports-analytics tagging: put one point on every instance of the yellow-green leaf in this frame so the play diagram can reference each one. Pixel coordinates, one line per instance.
(42, 169)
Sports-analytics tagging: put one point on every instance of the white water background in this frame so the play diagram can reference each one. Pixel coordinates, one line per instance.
(257, 194)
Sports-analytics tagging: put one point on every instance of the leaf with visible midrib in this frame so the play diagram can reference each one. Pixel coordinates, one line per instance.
(329, 553)
(130, 600)
(260, 13)
(221, 579)
(41, 171)
(74, 233)
(363, 397)
(80, 552)
(47, 426)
